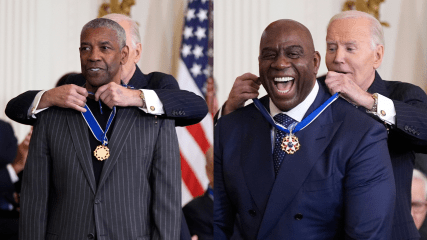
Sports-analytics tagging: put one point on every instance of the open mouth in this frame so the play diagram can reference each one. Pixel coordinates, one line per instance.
(283, 84)
(94, 69)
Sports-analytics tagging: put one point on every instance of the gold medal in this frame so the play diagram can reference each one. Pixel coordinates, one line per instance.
(290, 144)
(101, 152)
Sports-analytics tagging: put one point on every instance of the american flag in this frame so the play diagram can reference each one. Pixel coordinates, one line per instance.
(195, 67)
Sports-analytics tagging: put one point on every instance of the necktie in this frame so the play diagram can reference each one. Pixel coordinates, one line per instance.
(278, 153)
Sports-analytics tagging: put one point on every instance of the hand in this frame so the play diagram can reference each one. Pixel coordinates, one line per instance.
(348, 89)
(113, 94)
(65, 96)
(245, 87)
(22, 153)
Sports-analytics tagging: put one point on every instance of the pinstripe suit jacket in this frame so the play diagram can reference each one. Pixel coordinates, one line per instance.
(409, 135)
(139, 192)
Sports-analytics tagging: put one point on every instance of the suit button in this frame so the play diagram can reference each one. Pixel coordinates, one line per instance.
(90, 236)
(252, 213)
(97, 201)
(298, 216)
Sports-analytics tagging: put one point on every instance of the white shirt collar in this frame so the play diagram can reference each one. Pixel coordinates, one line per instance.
(299, 111)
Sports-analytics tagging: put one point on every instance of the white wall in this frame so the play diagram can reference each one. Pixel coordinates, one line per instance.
(239, 24)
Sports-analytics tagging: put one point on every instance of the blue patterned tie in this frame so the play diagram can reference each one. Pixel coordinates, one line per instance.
(278, 153)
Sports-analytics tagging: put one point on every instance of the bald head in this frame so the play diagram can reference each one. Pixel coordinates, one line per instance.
(288, 63)
(289, 26)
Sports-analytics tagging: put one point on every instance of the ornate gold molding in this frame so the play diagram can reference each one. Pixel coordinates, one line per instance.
(368, 6)
(115, 7)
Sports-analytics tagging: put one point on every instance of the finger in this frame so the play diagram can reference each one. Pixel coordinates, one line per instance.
(109, 101)
(248, 76)
(258, 81)
(79, 102)
(78, 108)
(249, 88)
(79, 99)
(103, 95)
(101, 90)
(251, 95)
(81, 91)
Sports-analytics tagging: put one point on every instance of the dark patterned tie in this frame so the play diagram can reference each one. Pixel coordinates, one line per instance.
(278, 153)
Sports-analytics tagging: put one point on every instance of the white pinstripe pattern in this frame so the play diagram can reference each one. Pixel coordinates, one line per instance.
(139, 193)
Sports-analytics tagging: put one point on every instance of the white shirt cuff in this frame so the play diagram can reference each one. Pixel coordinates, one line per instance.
(32, 111)
(152, 102)
(13, 176)
(385, 110)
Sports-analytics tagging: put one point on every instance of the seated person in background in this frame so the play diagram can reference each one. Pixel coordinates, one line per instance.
(12, 162)
(419, 197)
(155, 93)
(199, 211)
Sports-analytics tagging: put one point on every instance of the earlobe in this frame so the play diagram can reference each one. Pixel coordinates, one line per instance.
(138, 51)
(378, 56)
(316, 62)
(125, 55)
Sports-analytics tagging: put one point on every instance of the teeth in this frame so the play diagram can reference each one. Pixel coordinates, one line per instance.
(94, 69)
(283, 79)
(285, 91)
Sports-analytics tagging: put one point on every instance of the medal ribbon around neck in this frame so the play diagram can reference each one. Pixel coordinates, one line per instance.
(101, 152)
(290, 143)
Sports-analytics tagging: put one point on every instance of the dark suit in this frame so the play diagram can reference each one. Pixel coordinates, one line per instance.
(199, 216)
(8, 148)
(139, 191)
(409, 135)
(338, 185)
(185, 107)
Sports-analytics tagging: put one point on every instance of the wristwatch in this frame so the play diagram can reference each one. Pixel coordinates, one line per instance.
(374, 108)
(141, 95)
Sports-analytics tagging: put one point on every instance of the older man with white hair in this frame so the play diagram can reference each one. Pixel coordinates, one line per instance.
(355, 49)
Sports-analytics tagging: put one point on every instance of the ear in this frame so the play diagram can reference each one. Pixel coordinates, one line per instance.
(378, 56)
(138, 50)
(124, 55)
(316, 62)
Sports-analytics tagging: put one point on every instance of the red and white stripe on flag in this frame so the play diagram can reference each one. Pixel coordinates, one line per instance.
(194, 69)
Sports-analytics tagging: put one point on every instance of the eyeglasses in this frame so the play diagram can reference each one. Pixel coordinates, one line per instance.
(418, 206)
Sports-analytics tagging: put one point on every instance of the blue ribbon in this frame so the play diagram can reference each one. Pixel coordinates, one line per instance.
(294, 128)
(94, 127)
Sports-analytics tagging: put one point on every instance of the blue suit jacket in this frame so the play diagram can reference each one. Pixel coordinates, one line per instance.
(338, 185)
(409, 135)
(185, 107)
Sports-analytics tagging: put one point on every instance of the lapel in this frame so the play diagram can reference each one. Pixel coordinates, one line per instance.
(138, 80)
(378, 86)
(80, 139)
(125, 119)
(256, 157)
(295, 168)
